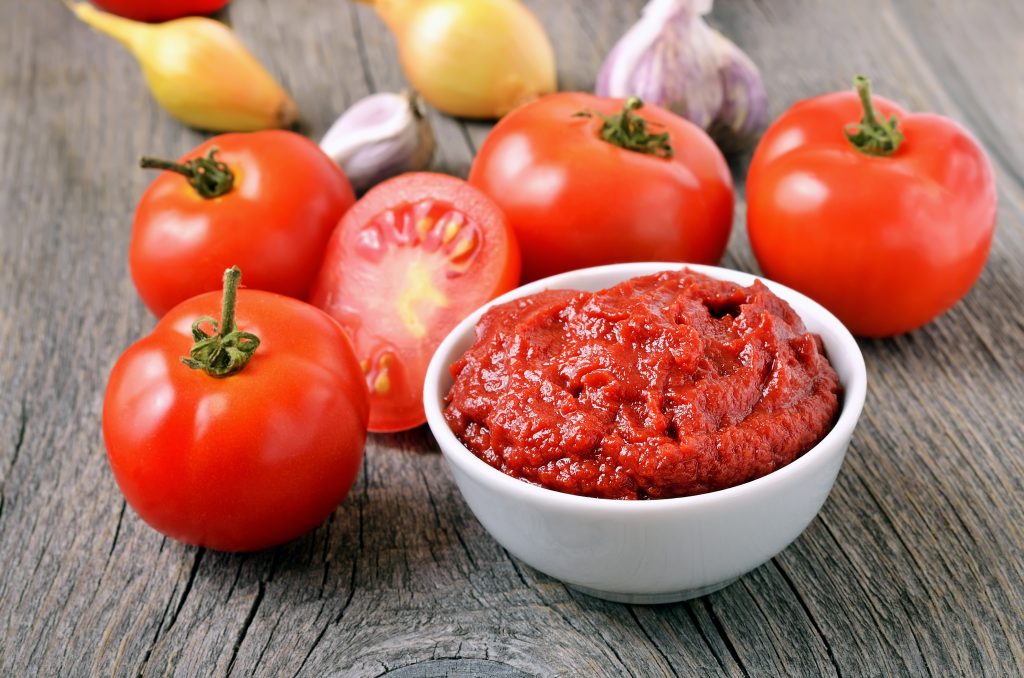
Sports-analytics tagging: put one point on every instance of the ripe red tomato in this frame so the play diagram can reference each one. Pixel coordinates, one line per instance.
(576, 199)
(245, 461)
(160, 10)
(414, 256)
(273, 222)
(886, 242)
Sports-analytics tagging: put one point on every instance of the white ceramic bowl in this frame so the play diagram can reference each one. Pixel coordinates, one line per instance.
(662, 550)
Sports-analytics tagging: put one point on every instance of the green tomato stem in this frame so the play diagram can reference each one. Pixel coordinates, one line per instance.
(629, 131)
(210, 177)
(874, 134)
(228, 350)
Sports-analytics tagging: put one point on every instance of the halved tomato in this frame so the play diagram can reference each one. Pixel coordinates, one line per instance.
(411, 259)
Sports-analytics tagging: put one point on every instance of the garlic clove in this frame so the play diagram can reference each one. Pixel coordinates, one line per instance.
(744, 111)
(380, 136)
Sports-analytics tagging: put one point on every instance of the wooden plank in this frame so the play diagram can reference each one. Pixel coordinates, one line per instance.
(984, 83)
(64, 198)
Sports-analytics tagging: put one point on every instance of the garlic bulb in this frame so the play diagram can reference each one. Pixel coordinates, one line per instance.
(380, 136)
(672, 58)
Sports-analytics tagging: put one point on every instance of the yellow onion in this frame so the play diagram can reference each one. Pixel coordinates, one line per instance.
(199, 71)
(471, 58)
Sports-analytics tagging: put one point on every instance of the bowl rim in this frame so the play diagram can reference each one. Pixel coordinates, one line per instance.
(458, 455)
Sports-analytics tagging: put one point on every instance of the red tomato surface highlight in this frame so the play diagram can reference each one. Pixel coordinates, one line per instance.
(415, 256)
(887, 243)
(576, 200)
(274, 222)
(246, 461)
(160, 10)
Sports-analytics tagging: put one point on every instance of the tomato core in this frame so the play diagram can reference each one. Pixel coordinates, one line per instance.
(422, 244)
(410, 260)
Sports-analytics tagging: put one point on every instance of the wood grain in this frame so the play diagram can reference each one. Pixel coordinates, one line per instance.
(914, 567)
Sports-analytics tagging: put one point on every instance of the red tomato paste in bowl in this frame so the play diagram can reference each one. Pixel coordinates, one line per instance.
(666, 385)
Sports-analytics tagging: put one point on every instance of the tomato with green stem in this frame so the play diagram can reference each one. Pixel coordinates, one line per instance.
(887, 225)
(587, 180)
(264, 201)
(411, 259)
(242, 437)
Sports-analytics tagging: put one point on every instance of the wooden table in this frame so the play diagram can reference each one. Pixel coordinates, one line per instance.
(914, 566)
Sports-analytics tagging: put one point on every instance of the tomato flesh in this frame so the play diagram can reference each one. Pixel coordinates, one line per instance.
(411, 256)
(410, 260)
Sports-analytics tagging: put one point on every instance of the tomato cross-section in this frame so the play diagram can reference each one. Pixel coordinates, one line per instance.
(410, 260)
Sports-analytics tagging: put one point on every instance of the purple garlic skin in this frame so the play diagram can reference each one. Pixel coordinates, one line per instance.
(744, 112)
(379, 137)
(673, 59)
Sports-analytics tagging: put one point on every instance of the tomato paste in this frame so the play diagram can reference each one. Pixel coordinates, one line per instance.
(666, 385)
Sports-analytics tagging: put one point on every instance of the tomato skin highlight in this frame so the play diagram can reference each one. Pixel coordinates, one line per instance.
(885, 243)
(394, 278)
(247, 461)
(160, 10)
(273, 224)
(575, 200)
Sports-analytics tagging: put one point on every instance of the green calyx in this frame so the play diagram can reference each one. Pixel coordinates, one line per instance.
(228, 349)
(210, 177)
(628, 130)
(874, 134)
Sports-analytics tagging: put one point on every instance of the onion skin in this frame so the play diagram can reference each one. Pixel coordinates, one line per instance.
(199, 71)
(471, 58)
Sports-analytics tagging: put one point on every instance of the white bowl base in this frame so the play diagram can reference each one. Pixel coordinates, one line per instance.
(652, 598)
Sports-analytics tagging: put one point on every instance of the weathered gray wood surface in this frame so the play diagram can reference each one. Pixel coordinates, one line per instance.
(915, 565)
